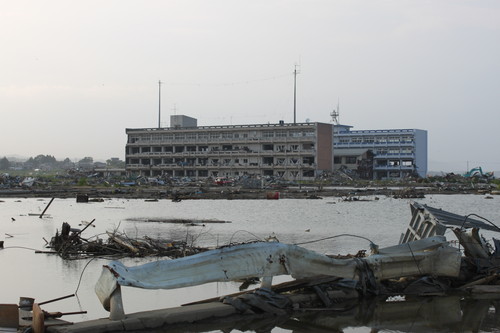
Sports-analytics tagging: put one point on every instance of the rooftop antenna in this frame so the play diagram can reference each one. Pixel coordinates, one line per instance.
(335, 114)
(295, 72)
(159, 104)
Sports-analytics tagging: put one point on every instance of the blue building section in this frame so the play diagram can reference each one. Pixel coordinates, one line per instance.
(381, 154)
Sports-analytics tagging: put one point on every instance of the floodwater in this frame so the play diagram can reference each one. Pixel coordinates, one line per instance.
(25, 273)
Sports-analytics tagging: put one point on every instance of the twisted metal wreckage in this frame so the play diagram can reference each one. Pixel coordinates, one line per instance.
(423, 251)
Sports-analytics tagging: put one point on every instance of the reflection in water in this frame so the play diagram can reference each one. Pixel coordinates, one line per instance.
(419, 314)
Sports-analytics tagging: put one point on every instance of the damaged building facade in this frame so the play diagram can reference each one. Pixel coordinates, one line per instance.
(298, 151)
(301, 151)
(381, 154)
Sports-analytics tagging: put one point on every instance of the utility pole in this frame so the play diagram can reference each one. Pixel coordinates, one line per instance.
(159, 104)
(295, 72)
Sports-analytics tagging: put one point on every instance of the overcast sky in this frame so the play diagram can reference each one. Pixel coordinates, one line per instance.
(75, 74)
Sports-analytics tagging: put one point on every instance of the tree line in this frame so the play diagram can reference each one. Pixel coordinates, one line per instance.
(51, 163)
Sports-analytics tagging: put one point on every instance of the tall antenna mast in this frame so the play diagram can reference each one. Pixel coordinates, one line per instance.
(159, 104)
(295, 72)
(335, 114)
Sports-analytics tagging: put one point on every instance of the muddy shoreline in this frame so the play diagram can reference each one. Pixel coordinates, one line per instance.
(194, 193)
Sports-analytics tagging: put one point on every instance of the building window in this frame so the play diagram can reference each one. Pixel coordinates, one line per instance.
(268, 172)
(281, 134)
(351, 159)
(268, 160)
(308, 160)
(309, 133)
(368, 139)
(337, 160)
(393, 139)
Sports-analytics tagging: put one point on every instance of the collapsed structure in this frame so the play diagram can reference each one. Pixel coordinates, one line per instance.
(423, 252)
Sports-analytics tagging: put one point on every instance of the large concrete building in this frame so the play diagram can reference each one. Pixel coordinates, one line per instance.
(381, 154)
(292, 151)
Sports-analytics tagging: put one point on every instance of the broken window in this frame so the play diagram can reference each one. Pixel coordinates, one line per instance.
(308, 173)
(268, 160)
(308, 160)
(351, 159)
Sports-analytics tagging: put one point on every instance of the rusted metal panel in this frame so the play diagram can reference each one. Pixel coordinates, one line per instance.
(9, 316)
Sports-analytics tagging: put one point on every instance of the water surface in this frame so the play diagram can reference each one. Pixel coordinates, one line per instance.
(45, 277)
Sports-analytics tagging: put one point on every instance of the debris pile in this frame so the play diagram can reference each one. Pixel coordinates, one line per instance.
(69, 244)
